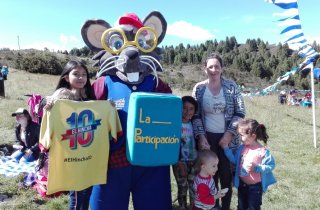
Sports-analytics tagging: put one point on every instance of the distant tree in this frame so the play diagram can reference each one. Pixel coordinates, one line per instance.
(253, 45)
(180, 48)
(228, 45)
(202, 48)
(75, 52)
(190, 56)
(233, 42)
(220, 48)
(256, 68)
(171, 55)
(84, 51)
(177, 59)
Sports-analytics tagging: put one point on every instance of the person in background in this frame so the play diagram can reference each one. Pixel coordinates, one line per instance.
(4, 71)
(75, 77)
(307, 100)
(184, 169)
(27, 137)
(293, 98)
(205, 189)
(221, 106)
(282, 98)
(254, 165)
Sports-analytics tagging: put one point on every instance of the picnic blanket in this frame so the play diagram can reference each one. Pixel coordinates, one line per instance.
(10, 167)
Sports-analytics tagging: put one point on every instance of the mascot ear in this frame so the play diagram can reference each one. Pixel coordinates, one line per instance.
(92, 31)
(156, 21)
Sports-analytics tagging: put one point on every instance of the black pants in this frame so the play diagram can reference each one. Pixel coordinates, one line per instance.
(224, 174)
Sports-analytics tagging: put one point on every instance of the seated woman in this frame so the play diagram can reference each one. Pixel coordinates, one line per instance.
(27, 137)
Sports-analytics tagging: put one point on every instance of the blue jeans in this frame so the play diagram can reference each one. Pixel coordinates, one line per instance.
(19, 156)
(79, 200)
(249, 196)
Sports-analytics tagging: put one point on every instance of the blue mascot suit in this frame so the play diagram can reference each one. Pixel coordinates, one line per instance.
(149, 186)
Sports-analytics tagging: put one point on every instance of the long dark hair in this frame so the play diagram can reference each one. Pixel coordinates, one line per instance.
(67, 69)
(191, 100)
(28, 116)
(43, 156)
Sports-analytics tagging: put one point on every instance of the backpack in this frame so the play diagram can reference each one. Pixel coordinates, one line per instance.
(35, 110)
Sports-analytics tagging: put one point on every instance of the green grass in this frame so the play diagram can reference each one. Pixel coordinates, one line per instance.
(291, 143)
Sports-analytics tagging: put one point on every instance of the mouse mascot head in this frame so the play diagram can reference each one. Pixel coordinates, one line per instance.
(128, 50)
(128, 59)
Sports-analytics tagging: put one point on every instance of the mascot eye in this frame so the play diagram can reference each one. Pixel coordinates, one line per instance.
(146, 39)
(115, 42)
(142, 42)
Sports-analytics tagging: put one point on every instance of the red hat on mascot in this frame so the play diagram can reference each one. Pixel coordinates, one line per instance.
(130, 19)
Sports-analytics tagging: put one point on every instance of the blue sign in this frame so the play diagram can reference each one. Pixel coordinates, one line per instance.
(153, 129)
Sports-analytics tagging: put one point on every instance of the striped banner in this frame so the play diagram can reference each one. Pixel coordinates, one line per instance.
(295, 39)
(292, 31)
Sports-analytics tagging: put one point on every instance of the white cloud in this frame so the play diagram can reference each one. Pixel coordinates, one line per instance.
(64, 39)
(186, 30)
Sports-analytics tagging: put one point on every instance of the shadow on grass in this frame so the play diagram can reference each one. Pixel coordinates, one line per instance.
(300, 120)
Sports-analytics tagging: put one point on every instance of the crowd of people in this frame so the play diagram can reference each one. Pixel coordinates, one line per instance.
(292, 98)
(218, 144)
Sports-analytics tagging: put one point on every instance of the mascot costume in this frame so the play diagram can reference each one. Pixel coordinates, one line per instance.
(127, 56)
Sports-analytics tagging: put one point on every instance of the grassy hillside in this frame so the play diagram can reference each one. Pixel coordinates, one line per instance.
(291, 143)
(181, 76)
(18, 84)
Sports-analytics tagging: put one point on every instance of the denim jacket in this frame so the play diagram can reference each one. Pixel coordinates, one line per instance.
(265, 168)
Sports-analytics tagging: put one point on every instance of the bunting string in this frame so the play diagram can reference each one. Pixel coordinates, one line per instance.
(296, 40)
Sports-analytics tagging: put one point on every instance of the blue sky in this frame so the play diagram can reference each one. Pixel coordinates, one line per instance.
(56, 24)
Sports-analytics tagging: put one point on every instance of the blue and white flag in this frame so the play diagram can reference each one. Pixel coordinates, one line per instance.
(292, 31)
(294, 37)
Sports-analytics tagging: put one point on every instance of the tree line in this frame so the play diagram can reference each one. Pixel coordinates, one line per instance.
(254, 57)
